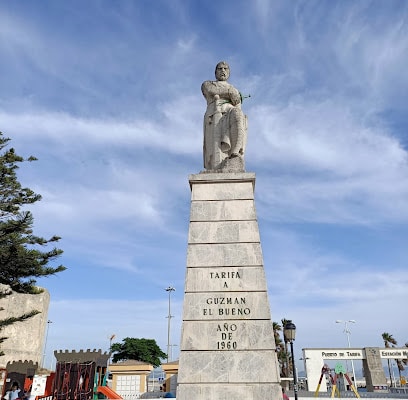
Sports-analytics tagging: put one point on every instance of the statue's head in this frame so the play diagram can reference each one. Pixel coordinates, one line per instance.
(222, 71)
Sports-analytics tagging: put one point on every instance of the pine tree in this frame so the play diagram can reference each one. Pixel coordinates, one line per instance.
(23, 255)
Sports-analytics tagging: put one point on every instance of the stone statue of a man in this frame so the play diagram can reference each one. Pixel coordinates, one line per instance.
(225, 125)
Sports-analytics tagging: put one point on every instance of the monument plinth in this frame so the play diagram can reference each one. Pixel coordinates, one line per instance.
(227, 345)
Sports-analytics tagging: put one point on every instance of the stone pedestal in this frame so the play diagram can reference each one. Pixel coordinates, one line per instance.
(227, 346)
(25, 342)
(374, 371)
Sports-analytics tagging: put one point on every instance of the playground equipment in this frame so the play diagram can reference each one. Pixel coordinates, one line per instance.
(339, 373)
(78, 376)
(81, 381)
(108, 392)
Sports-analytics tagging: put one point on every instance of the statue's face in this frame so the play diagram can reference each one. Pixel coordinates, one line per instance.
(222, 71)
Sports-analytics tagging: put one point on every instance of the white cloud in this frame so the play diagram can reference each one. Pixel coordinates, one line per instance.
(104, 317)
(324, 135)
(91, 205)
(335, 167)
(178, 121)
(115, 118)
(373, 51)
(314, 286)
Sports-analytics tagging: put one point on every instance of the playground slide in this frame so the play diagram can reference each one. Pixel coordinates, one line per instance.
(108, 392)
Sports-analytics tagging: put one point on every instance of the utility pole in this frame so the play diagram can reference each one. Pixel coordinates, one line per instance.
(169, 290)
(348, 333)
(45, 343)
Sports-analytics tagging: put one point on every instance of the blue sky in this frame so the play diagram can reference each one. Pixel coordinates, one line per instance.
(107, 96)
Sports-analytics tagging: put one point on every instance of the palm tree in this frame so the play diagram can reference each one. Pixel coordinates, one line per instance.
(276, 329)
(405, 360)
(388, 341)
(279, 346)
(401, 364)
(284, 322)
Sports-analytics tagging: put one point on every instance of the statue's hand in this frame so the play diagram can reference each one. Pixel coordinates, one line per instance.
(235, 97)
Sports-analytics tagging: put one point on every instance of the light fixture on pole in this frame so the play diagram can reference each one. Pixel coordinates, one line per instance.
(348, 333)
(289, 334)
(171, 350)
(169, 289)
(45, 343)
(111, 337)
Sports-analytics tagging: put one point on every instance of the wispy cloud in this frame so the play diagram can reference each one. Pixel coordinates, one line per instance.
(106, 317)
(110, 103)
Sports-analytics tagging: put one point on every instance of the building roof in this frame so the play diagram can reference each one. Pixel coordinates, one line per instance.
(130, 362)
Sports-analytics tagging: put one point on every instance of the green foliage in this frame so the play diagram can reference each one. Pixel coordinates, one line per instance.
(388, 339)
(145, 350)
(23, 255)
(282, 352)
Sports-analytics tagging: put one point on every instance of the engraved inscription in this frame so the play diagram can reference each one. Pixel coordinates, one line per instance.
(224, 276)
(227, 311)
(226, 306)
(226, 300)
(226, 336)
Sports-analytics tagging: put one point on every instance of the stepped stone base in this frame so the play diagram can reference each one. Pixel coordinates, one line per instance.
(229, 392)
(227, 347)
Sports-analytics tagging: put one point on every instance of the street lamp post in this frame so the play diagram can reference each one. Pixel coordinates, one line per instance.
(171, 350)
(111, 337)
(305, 365)
(348, 333)
(45, 343)
(286, 370)
(289, 333)
(169, 290)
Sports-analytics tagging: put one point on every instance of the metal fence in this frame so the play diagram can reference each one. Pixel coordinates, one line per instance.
(395, 393)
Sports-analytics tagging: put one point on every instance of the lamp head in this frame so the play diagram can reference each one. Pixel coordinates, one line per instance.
(289, 331)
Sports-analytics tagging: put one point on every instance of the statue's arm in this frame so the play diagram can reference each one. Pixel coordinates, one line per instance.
(234, 95)
(228, 92)
(205, 89)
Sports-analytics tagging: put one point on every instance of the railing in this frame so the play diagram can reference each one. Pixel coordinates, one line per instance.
(402, 393)
(133, 396)
(50, 397)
